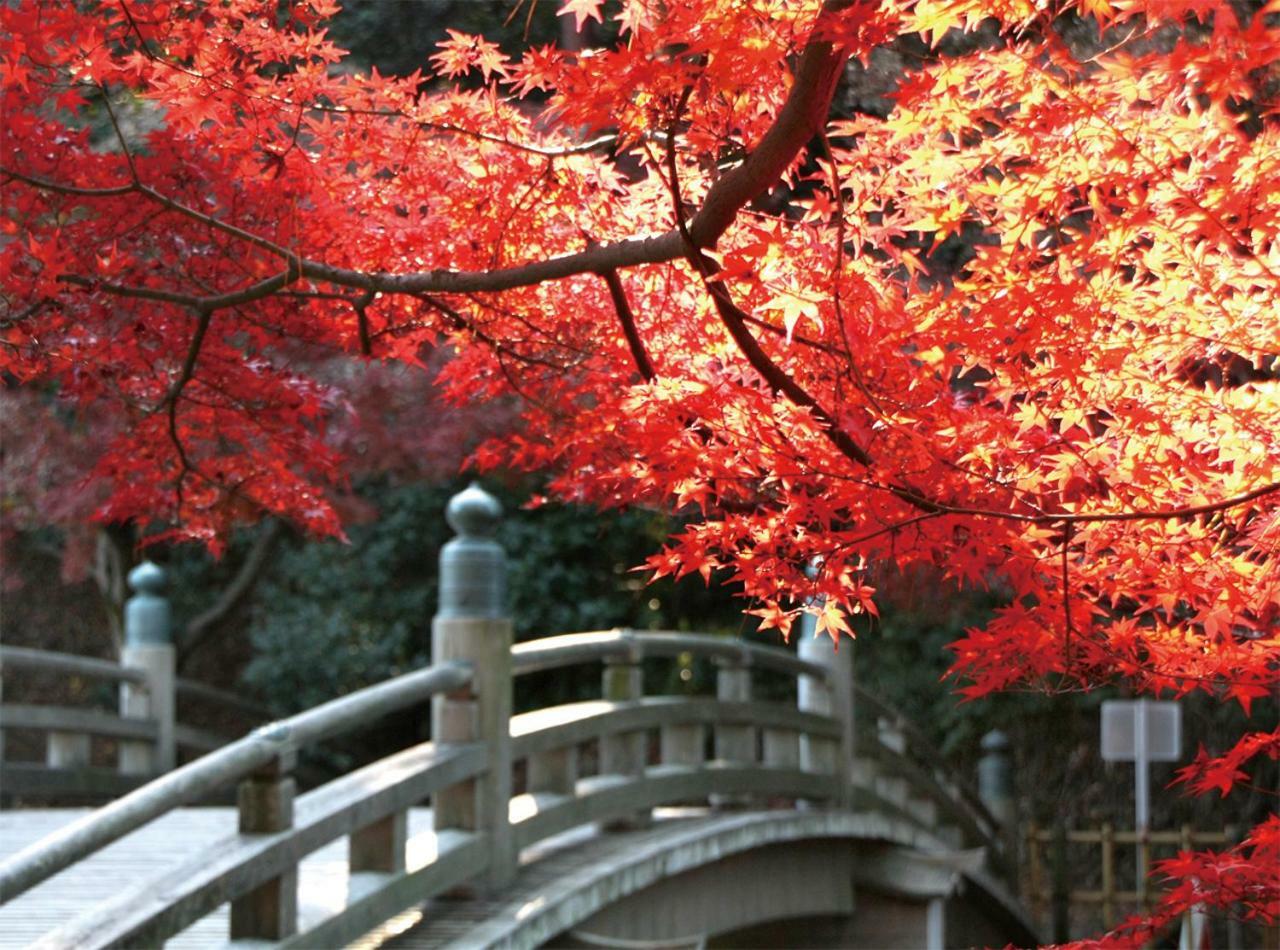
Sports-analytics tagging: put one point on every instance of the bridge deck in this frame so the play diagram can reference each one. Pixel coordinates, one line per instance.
(145, 854)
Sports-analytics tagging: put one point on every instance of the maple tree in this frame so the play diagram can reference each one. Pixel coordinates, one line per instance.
(1024, 326)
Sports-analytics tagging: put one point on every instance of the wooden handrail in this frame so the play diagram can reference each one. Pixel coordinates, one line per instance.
(146, 915)
(52, 661)
(608, 797)
(545, 729)
(923, 750)
(569, 649)
(72, 719)
(32, 659)
(199, 779)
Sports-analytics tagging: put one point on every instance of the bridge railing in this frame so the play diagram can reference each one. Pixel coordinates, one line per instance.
(257, 870)
(901, 768)
(138, 737)
(497, 783)
(653, 750)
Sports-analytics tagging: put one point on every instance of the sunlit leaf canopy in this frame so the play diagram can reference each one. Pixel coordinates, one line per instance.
(1022, 327)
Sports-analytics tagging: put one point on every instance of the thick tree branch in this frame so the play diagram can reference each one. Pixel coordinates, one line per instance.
(628, 320)
(361, 307)
(801, 117)
(734, 321)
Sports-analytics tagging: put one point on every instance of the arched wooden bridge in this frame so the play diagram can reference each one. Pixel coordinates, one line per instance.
(628, 821)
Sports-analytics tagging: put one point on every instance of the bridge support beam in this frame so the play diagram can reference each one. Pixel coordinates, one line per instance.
(472, 625)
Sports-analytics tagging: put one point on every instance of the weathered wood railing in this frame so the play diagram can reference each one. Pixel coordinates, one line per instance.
(257, 870)
(653, 750)
(901, 767)
(497, 783)
(148, 735)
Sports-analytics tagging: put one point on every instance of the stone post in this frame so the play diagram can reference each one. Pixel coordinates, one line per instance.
(148, 646)
(624, 753)
(995, 780)
(473, 625)
(265, 803)
(66, 750)
(734, 743)
(835, 699)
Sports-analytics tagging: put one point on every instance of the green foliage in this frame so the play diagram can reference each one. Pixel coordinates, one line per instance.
(396, 38)
(331, 617)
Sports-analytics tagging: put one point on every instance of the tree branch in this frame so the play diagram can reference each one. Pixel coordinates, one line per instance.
(233, 298)
(734, 321)
(628, 320)
(204, 623)
(800, 117)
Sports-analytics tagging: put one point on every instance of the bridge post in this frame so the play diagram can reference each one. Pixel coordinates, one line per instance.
(834, 698)
(624, 753)
(148, 646)
(472, 625)
(995, 783)
(735, 743)
(265, 800)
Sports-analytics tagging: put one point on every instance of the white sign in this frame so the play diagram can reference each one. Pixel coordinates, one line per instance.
(1120, 730)
(1141, 731)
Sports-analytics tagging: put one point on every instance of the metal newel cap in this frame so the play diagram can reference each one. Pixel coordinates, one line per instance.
(147, 618)
(473, 512)
(473, 566)
(995, 741)
(148, 578)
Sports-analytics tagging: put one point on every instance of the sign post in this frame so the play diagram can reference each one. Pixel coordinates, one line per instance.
(1141, 731)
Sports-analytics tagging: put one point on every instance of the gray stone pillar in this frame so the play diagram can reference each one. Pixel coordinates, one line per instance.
(473, 625)
(734, 743)
(148, 646)
(995, 780)
(624, 753)
(265, 801)
(834, 698)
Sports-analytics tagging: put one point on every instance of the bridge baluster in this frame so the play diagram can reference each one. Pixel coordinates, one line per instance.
(735, 743)
(148, 646)
(379, 846)
(66, 750)
(472, 625)
(683, 744)
(265, 800)
(555, 771)
(781, 748)
(832, 697)
(624, 753)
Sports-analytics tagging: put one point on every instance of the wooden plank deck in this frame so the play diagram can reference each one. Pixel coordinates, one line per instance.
(144, 855)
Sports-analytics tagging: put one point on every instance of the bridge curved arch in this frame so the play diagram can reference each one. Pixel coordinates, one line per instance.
(688, 878)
